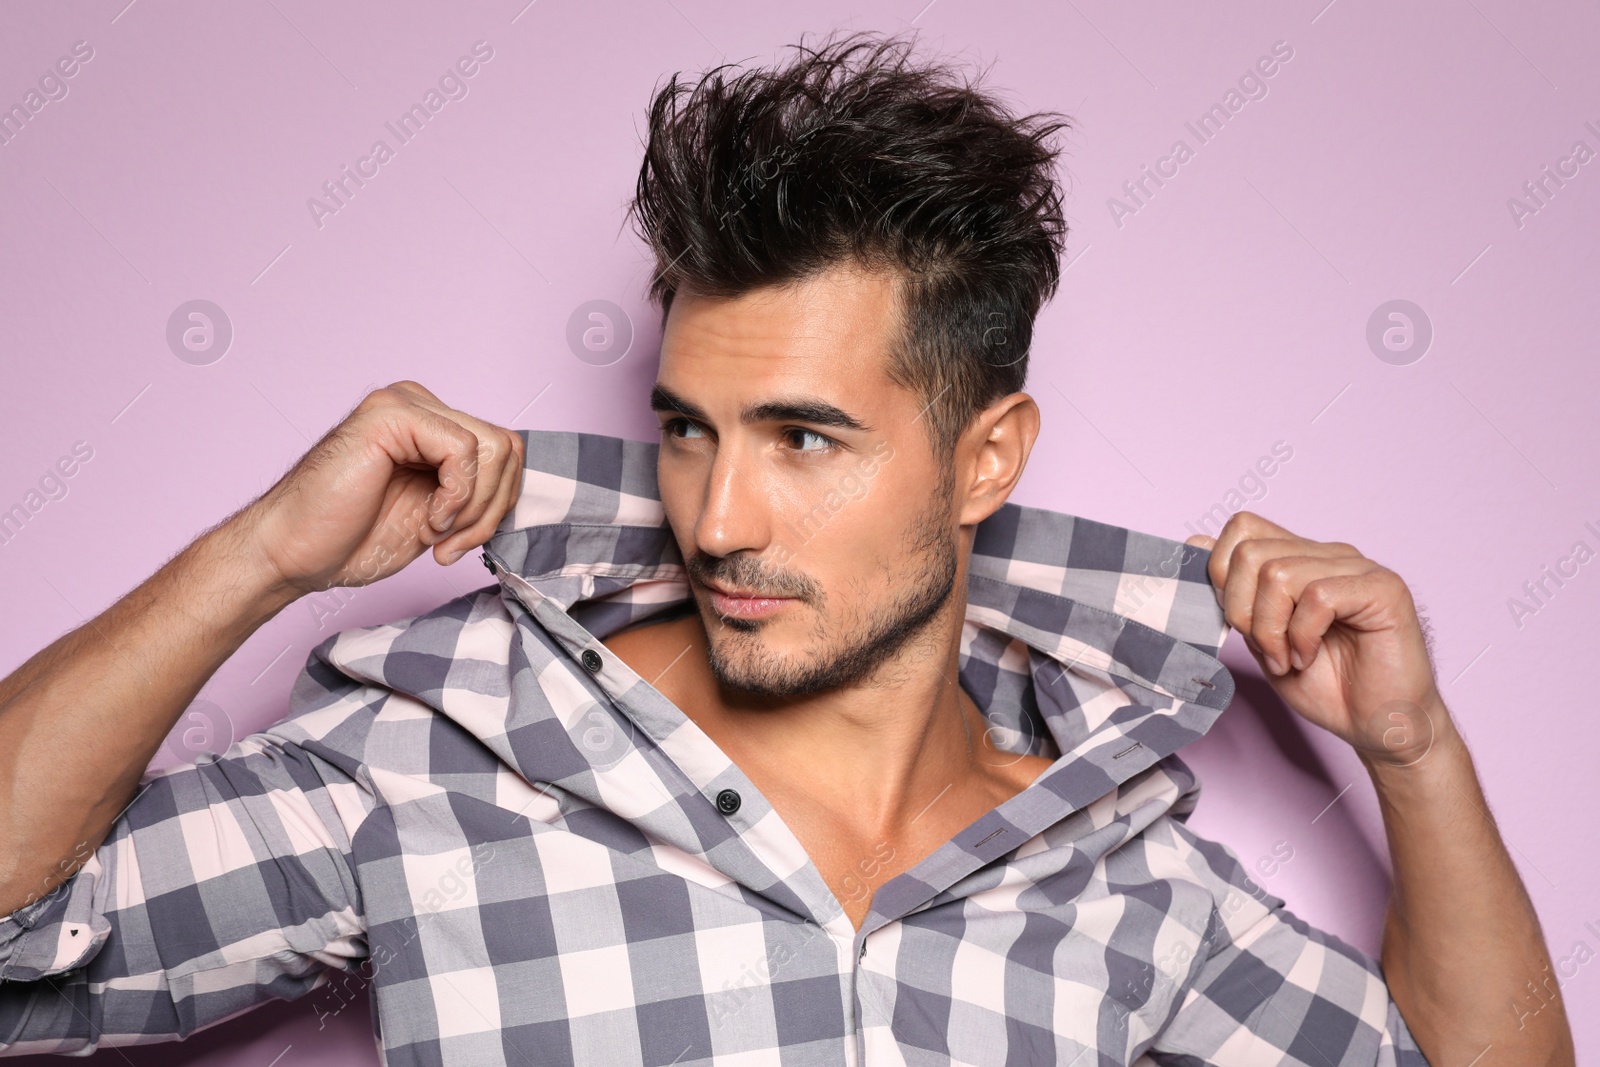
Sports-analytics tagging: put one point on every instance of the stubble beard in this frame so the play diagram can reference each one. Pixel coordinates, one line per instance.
(850, 652)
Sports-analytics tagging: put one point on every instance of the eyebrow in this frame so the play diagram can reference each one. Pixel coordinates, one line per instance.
(664, 399)
(796, 409)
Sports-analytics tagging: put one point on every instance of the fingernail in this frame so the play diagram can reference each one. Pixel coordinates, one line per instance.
(1273, 666)
(1297, 659)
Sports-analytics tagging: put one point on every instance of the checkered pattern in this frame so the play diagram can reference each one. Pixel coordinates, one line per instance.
(525, 859)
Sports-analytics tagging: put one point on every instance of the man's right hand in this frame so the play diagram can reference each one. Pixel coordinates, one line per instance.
(401, 473)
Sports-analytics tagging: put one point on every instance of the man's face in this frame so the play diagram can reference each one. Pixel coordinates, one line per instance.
(794, 469)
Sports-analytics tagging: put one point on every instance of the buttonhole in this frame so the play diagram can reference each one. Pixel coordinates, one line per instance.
(1130, 748)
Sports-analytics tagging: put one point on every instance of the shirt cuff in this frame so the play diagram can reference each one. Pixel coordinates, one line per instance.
(57, 932)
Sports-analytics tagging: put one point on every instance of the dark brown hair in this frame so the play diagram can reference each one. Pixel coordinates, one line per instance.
(854, 151)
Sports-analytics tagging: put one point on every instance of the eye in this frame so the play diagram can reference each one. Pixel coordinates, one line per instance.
(797, 436)
(671, 427)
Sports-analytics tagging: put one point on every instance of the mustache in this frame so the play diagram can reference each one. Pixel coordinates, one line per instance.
(744, 573)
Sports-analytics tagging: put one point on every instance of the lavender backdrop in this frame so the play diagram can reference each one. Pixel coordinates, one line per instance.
(1240, 304)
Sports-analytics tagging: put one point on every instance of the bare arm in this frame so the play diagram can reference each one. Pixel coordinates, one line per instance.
(81, 719)
(1463, 953)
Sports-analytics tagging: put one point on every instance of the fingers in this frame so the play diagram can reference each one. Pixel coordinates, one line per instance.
(1245, 528)
(1261, 572)
(474, 490)
(416, 436)
(469, 503)
(1242, 526)
(1242, 573)
(506, 483)
(1294, 604)
(457, 479)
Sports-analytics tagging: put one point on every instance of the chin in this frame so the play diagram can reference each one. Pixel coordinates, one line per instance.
(747, 661)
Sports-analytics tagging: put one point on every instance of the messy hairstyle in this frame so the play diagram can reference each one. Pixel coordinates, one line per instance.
(854, 153)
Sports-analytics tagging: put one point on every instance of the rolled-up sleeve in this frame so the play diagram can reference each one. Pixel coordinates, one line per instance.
(1272, 989)
(222, 886)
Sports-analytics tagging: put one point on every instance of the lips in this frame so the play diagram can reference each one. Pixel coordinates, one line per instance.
(745, 604)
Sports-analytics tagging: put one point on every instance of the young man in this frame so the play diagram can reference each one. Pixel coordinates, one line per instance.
(787, 740)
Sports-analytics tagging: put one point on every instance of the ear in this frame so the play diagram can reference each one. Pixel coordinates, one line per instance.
(992, 453)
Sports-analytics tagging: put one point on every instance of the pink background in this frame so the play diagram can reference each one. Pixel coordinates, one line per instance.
(1229, 312)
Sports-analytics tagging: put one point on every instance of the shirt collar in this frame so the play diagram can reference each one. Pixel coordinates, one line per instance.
(1130, 619)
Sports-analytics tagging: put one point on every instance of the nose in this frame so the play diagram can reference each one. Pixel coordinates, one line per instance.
(735, 516)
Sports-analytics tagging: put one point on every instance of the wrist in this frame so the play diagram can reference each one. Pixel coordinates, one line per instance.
(230, 553)
(1439, 753)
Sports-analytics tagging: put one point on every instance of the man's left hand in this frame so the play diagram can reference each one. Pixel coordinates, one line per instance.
(1335, 633)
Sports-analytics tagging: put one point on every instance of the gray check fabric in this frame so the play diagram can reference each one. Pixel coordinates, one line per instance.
(483, 820)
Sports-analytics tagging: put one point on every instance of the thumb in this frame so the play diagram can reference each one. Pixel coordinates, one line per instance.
(1201, 541)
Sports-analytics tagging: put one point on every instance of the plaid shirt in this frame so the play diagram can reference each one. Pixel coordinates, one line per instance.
(516, 843)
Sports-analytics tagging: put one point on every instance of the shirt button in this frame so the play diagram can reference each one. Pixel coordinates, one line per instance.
(591, 661)
(728, 801)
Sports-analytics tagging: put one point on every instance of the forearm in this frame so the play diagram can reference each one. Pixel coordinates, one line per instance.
(80, 720)
(1462, 947)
